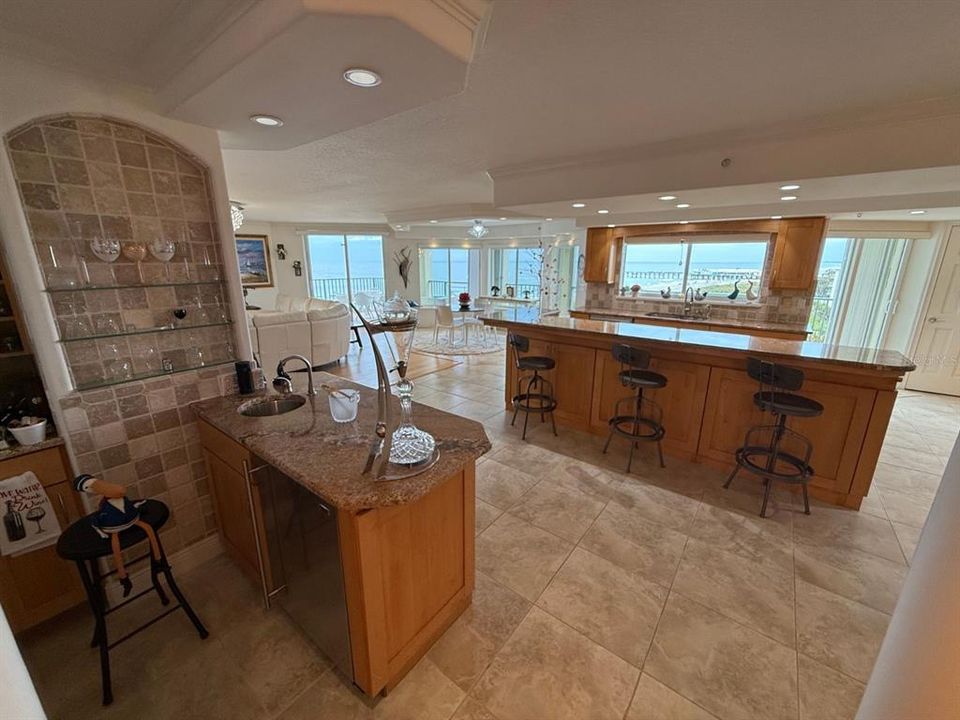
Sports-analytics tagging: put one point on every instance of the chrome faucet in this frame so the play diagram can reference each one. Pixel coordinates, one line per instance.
(282, 383)
(688, 298)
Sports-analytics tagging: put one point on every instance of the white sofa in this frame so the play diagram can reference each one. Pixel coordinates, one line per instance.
(317, 329)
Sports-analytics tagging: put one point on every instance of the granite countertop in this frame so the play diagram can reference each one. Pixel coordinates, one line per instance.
(881, 360)
(639, 317)
(328, 458)
(16, 450)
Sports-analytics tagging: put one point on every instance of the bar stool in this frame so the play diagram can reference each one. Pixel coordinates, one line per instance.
(83, 545)
(635, 417)
(537, 396)
(775, 452)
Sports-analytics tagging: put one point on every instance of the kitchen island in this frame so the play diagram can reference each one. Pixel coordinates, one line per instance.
(674, 316)
(708, 401)
(373, 572)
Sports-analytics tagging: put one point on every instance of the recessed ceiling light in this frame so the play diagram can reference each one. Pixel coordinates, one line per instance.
(667, 197)
(361, 77)
(684, 222)
(788, 197)
(611, 225)
(918, 212)
(776, 217)
(548, 219)
(789, 187)
(683, 205)
(434, 222)
(579, 205)
(602, 212)
(503, 218)
(267, 120)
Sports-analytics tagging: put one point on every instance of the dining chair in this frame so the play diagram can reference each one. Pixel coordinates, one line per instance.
(445, 319)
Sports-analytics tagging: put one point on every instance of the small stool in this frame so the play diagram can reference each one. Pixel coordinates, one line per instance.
(635, 417)
(775, 452)
(83, 545)
(538, 395)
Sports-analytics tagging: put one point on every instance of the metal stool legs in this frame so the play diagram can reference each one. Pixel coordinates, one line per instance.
(637, 423)
(537, 397)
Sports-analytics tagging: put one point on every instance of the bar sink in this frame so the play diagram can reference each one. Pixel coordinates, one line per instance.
(276, 405)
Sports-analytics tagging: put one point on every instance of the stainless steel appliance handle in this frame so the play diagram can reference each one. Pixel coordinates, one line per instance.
(250, 482)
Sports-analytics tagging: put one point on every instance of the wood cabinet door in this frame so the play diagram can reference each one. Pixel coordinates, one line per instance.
(597, 256)
(836, 435)
(682, 399)
(40, 584)
(50, 466)
(796, 253)
(229, 489)
(572, 382)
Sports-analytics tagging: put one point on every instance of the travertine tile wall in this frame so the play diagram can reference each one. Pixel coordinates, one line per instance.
(789, 307)
(83, 180)
(87, 178)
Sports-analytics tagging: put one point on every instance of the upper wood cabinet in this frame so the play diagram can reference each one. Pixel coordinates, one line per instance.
(796, 252)
(600, 263)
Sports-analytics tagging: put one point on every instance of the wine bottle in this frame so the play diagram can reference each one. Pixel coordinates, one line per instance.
(13, 524)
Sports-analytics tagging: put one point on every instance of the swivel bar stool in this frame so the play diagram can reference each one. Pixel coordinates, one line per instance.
(775, 452)
(635, 417)
(537, 395)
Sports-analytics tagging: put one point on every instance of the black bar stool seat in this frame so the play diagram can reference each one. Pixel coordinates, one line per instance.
(536, 362)
(780, 403)
(534, 392)
(635, 417)
(774, 452)
(82, 544)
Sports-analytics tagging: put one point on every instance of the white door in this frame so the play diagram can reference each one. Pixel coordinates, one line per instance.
(938, 350)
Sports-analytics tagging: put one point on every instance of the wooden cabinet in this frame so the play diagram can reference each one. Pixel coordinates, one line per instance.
(228, 464)
(600, 258)
(39, 585)
(796, 253)
(572, 380)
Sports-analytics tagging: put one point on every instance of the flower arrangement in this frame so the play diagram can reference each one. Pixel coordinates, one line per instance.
(464, 299)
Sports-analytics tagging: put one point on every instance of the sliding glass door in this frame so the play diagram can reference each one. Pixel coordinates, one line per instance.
(447, 272)
(343, 267)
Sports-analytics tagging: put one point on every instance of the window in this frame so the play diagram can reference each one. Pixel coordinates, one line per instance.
(710, 265)
(343, 267)
(447, 272)
(518, 268)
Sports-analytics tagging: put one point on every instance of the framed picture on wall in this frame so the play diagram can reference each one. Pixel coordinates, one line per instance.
(253, 254)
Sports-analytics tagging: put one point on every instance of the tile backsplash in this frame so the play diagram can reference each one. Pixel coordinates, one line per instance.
(785, 307)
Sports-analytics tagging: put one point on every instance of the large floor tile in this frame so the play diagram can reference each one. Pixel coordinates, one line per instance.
(757, 594)
(528, 458)
(855, 575)
(636, 543)
(837, 527)
(485, 515)
(583, 477)
(424, 694)
(608, 604)
(466, 648)
(731, 670)
(516, 554)
(655, 701)
(910, 458)
(470, 709)
(826, 694)
(502, 485)
(908, 536)
(564, 512)
(549, 670)
(838, 632)
(667, 507)
(908, 508)
(894, 477)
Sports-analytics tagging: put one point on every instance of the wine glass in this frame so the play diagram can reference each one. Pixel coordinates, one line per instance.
(135, 252)
(106, 250)
(37, 514)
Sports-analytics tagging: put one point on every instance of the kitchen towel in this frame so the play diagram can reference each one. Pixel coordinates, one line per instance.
(29, 521)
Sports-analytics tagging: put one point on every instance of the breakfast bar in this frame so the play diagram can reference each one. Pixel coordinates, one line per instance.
(708, 402)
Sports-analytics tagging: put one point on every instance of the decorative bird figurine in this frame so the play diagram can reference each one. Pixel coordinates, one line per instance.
(700, 294)
(665, 294)
(736, 291)
(751, 295)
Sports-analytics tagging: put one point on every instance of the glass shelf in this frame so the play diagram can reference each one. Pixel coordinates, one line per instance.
(136, 286)
(148, 376)
(146, 331)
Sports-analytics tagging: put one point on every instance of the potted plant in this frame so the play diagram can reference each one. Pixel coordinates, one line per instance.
(464, 299)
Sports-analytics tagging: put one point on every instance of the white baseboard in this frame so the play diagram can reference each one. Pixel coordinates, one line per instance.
(182, 561)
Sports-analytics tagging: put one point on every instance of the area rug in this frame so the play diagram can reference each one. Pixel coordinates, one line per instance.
(423, 343)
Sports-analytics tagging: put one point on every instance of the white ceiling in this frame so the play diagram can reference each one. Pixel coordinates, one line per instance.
(550, 79)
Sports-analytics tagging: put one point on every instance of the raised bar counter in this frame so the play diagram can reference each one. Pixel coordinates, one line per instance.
(708, 402)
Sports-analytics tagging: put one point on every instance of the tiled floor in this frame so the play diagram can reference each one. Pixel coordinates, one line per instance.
(599, 595)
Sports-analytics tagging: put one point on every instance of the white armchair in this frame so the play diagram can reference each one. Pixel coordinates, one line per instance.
(317, 329)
